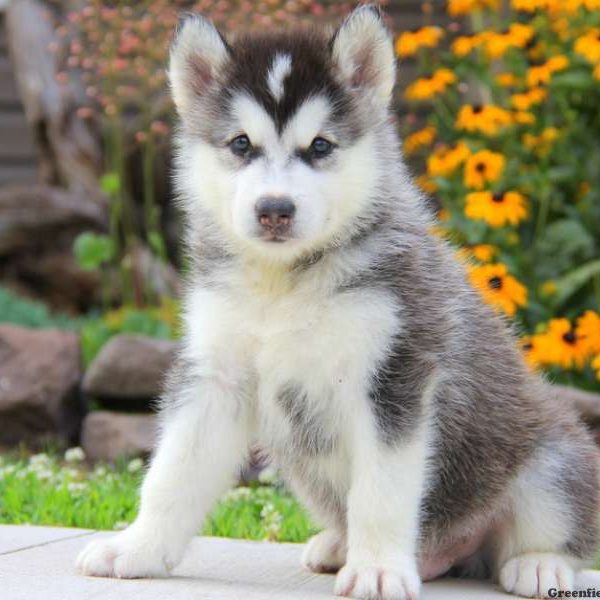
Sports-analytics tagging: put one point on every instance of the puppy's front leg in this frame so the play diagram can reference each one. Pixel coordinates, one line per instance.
(383, 519)
(203, 441)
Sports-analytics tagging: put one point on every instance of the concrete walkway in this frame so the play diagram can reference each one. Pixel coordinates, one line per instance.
(36, 563)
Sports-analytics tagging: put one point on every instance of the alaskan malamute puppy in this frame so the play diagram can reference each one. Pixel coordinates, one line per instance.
(325, 322)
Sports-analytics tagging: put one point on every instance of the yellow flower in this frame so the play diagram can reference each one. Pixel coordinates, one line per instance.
(542, 73)
(542, 143)
(458, 8)
(548, 288)
(596, 366)
(560, 345)
(507, 80)
(487, 119)
(528, 99)
(480, 252)
(423, 89)
(465, 44)
(426, 184)
(445, 160)
(517, 36)
(409, 42)
(483, 167)
(588, 45)
(418, 139)
(528, 5)
(596, 72)
(498, 288)
(588, 330)
(532, 351)
(592, 4)
(522, 117)
(496, 209)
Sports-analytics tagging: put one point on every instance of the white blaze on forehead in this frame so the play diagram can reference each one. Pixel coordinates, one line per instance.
(280, 69)
(309, 121)
(254, 120)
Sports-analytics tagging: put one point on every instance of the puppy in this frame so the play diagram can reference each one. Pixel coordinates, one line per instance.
(324, 321)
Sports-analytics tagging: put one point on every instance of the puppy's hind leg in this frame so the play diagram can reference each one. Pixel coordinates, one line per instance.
(203, 441)
(552, 525)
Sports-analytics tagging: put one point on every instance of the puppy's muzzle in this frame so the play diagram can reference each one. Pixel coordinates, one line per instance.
(275, 215)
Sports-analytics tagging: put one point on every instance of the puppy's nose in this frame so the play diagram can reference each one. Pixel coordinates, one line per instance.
(275, 213)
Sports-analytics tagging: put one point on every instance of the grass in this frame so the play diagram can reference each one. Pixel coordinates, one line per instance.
(46, 489)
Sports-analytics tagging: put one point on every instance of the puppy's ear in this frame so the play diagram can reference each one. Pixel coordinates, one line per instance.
(198, 53)
(364, 52)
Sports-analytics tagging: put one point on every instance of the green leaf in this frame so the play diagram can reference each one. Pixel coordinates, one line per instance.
(110, 183)
(575, 280)
(92, 250)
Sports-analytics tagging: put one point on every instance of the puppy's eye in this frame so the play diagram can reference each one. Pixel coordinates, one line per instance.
(240, 145)
(320, 147)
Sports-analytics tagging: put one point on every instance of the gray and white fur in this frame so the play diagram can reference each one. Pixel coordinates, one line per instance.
(324, 322)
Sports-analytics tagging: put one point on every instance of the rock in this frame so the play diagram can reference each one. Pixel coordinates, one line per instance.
(108, 435)
(38, 226)
(40, 399)
(129, 367)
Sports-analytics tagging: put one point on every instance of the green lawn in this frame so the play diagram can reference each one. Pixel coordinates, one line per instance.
(47, 489)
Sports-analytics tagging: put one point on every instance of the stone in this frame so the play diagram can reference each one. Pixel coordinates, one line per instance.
(38, 227)
(106, 435)
(129, 367)
(40, 399)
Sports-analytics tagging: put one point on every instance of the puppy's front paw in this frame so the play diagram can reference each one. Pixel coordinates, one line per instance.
(372, 582)
(533, 575)
(127, 555)
(325, 552)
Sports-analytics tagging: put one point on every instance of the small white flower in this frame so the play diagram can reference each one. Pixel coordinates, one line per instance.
(100, 471)
(76, 488)
(39, 460)
(74, 455)
(239, 493)
(135, 465)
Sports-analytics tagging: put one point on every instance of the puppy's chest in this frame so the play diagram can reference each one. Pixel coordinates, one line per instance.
(312, 358)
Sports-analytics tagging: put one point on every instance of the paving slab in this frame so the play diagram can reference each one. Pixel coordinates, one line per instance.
(40, 566)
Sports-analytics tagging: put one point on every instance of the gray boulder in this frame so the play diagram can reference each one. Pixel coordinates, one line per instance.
(40, 372)
(129, 367)
(109, 435)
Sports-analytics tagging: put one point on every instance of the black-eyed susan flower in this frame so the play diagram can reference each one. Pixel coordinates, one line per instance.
(496, 44)
(528, 99)
(445, 160)
(410, 42)
(496, 208)
(498, 288)
(588, 331)
(541, 143)
(428, 87)
(596, 365)
(426, 184)
(529, 5)
(522, 117)
(459, 8)
(541, 74)
(483, 167)
(482, 253)
(532, 351)
(488, 119)
(560, 345)
(465, 44)
(507, 80)
(419, 139)
(588, 45)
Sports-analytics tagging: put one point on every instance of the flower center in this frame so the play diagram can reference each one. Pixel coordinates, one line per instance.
(480, 167)
(477, 108)
(495, 283)
(569, 337)
(498, 197)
